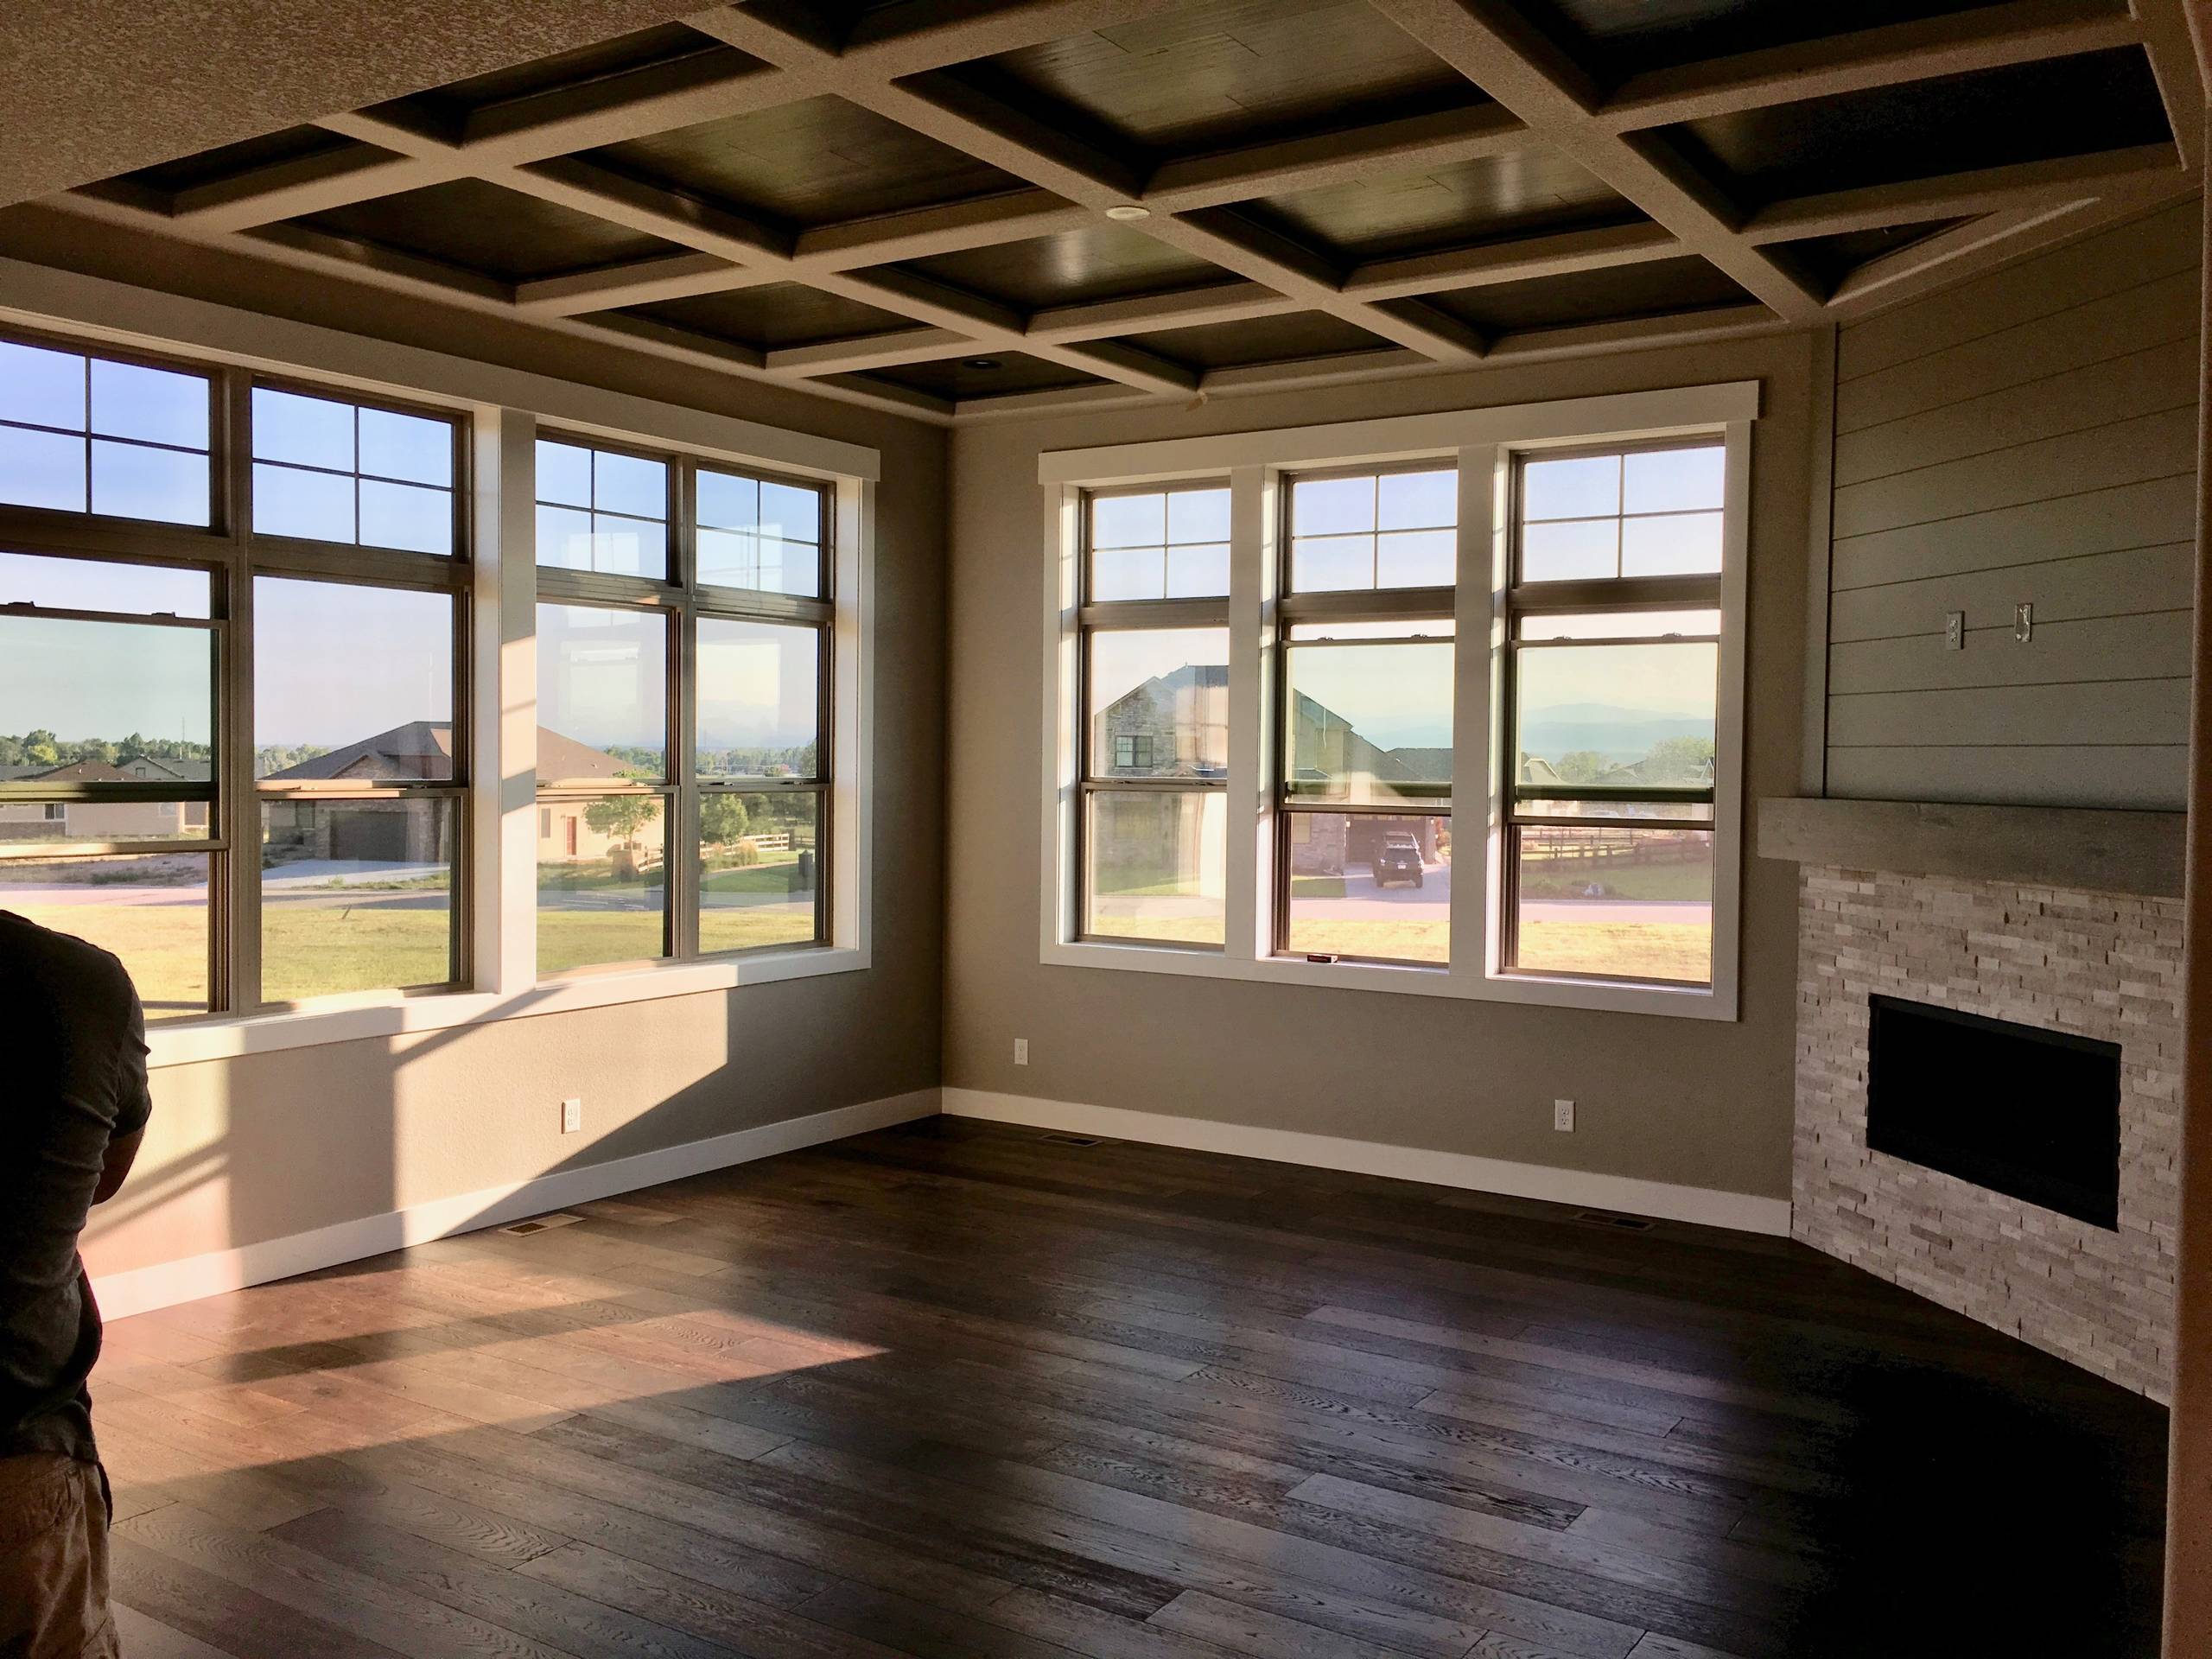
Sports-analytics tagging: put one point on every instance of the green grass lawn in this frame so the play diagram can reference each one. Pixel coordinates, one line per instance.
(1689, 880)
(1639, 950)
(1612, 949)
(310, 952)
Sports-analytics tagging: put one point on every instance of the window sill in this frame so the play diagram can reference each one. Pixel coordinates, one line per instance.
(1685, 1002)
(394, 1013)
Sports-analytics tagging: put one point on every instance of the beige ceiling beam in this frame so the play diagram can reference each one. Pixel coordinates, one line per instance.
(1688, 327)
(912, 38)
(1031, 149)
(310, 184)
(950, 227)
(657, 98)
(1501, 52)
(329, 256)
(589, 189)
(1184, 307)
(1634, 333)
(2167, 39)
(765, 252)
(866, 352)
(1521, 260)
(638, 282)
(1985, 190)
(1932, 260)
(851, 246)
(1998, 236)
(1990, 37)
(1438, 138)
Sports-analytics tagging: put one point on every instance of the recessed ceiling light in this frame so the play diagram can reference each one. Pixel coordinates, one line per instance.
(1129, 211)
(980, 363)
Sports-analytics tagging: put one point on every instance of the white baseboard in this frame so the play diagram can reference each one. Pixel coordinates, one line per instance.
(165, 1283)
(1744, 1213)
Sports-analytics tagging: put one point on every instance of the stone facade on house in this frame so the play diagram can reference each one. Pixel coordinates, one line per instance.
(2105, 966)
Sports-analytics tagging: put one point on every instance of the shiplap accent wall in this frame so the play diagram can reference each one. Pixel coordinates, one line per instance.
(2029, 436)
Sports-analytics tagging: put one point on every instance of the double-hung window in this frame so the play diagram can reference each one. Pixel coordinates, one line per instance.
(1443, 704)
(1612, 699)
(230, 622)
(684, 637)
(1155, 723)
(1364, 861)
(359, 600)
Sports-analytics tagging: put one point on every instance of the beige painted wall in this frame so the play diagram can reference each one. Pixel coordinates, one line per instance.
(1698, 1102)
(261, 1147)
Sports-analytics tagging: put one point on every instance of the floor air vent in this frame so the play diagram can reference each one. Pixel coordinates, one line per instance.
(1071, 1139)
(1626, 1223)
(540, 1224)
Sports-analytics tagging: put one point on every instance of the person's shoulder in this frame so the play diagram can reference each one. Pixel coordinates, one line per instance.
(61, 953)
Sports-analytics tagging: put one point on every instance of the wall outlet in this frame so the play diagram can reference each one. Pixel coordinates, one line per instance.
(2023, 622)
(1563, 1116)
(572, 1117)
(1954, 631)
(1022, 1051)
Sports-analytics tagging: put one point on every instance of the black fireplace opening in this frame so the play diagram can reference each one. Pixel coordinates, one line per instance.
(2030, 1113)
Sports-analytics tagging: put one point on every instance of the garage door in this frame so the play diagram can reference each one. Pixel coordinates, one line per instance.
(372, 836)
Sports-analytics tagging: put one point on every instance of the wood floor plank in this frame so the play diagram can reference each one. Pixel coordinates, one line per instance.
(527, 1606)
(710, 1612)
(146, 1637)
(325, 1588)
(950, 1390)
(1251, 1631)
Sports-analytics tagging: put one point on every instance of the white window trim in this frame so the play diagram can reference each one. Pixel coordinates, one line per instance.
(1481, 442)
(505, 407)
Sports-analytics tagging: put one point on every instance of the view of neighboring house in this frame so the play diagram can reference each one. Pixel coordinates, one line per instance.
(104, 820)
(389, 832)
(1176, 725)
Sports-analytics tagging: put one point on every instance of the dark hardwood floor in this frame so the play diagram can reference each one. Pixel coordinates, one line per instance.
(958, 1392)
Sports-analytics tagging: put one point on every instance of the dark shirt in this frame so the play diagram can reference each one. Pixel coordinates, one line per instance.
(72, 1078)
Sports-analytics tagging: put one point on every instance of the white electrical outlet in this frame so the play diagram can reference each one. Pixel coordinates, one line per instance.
(572, 1117)
(1563, 1116)
(1954, 631)
(1022, 1051)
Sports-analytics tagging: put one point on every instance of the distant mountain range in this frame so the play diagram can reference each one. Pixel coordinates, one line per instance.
(1620, 734)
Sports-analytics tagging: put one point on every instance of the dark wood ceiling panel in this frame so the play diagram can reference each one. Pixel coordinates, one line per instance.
(1618, 292)
(586, 63)
(1290, 338)
(987, 376)
(773, 316)
(818, 161)
(1834, 257)
(289, 144)
(1618, 38)
(483, 228)
(1100, 262)
(2026, 112)
(1448, 207)
(1226, 72)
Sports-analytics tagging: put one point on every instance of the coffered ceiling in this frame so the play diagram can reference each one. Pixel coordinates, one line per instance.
(993, 206)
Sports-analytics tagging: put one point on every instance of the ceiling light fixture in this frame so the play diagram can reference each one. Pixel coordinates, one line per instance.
(1127, 211)
(980, 363)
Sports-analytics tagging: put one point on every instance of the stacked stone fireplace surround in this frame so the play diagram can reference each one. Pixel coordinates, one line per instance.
(2100, 965)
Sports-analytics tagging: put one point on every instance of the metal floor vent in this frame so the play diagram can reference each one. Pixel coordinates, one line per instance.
(1071, 1139)
(541, 1223)
(1626, 1223)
